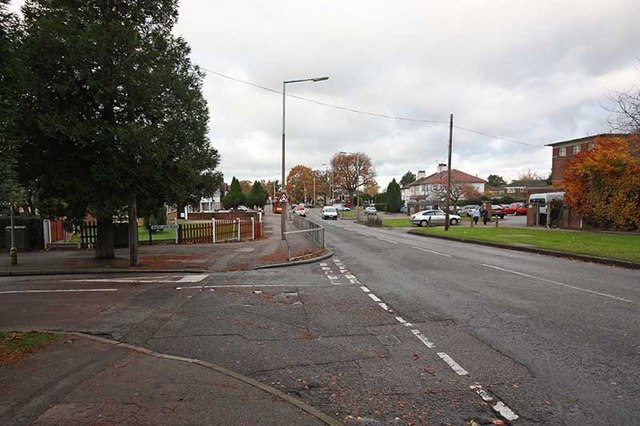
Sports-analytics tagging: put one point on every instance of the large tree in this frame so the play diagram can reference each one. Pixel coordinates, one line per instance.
(111, 109)
(407, 178)
(257, 196)
(235, 196)
(603, 183)
(496, 181)
(394, 197)
(300, 183)
(352, 171)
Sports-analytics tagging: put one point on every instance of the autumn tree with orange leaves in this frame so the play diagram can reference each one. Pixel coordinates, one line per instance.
(300, 184)
(603, 183)
(352, 172)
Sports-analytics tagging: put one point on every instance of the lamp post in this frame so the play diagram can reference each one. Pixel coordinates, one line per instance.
(283, 219)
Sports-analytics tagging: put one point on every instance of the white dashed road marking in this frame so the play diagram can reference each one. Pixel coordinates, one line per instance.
(432, 252)
(558, 283)
(454, 365)
(387, 241)
(423, 339)
(499, 406)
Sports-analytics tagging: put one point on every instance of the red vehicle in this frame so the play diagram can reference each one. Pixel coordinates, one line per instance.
(516, 209)
(277, 207)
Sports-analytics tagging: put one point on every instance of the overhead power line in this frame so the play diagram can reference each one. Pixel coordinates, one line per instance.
(357, 111)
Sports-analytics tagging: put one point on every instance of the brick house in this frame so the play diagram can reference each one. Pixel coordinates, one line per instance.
(565, 150)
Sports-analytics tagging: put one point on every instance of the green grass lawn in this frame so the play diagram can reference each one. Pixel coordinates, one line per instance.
(163, 234)
(348, 213)
(15, 344)
(614, 246)
(399, 222)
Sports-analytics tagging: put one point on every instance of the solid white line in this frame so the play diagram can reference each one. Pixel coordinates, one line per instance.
(432, 252)
(374, 297)
(388, 241)
(558, 283)
(423, 339)
(454, 365)
(80, 290)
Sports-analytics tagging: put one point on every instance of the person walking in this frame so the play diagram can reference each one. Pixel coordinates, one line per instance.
(475, 215)
(554, 217)
(485, 215)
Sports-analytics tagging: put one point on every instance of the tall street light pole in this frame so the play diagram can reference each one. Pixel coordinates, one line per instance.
(283, 219)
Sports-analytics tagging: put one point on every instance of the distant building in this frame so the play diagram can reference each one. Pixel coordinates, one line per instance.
(521, 188)
(565, 150)
(429, 187)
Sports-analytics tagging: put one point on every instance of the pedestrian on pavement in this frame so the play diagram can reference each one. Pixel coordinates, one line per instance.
(475, 216)
(485, 215)
(554, 217)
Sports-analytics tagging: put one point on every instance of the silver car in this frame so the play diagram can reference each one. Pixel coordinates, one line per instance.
(433, 217)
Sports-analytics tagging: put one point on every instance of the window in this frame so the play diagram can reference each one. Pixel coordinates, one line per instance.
(563, 151)
(577, 148)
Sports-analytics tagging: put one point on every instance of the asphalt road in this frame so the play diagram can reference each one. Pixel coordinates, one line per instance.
(558, 340)
(393, 329)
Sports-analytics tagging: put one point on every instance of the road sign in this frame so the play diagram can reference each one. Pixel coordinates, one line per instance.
(283, 199)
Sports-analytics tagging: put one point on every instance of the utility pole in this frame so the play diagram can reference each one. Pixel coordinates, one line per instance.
(448, 193)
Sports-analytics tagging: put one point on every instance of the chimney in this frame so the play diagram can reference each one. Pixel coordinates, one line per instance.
(442, 167)
(421, 174)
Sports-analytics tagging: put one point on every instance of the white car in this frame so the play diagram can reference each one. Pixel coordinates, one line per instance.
(433, 217)
(329, 212)
(370, 210)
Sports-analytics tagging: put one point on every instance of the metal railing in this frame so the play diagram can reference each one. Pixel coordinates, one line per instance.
(307, 240)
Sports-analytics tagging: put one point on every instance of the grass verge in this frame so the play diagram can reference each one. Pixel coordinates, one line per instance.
(15, 345)
(400, 222)
(612, 246)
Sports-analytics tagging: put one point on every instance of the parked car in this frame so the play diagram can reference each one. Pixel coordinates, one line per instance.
(341, 207)
(468, 210)
(433, 217)
(300, 210)
(497, 210)
(515, 209)
(370, 210)
(242, 208)
(329, 212)
(403, 209)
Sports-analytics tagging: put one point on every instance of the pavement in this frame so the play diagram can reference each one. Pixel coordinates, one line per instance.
(88, 379)
(268, 251)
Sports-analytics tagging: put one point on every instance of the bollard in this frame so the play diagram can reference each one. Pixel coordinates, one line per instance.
(13, 255)
(497, 220)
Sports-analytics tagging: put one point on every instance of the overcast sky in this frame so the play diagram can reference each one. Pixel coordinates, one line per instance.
(528, 71)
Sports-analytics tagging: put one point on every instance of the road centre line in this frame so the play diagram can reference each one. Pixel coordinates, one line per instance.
(78, 290)
(558, 283)
(374, 297)
(388, 241)
(432, 252)
(454, 365)
(500, 407)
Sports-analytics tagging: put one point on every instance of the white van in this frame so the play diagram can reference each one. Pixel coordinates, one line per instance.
(544, 199)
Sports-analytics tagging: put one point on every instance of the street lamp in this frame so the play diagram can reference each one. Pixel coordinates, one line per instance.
(283, 219)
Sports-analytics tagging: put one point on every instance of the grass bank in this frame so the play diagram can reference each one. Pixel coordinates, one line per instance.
(612, 246)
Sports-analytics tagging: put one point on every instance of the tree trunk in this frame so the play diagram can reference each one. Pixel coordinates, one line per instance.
(104, 239)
